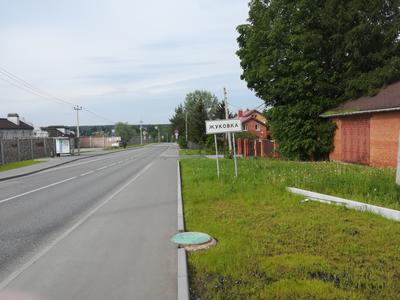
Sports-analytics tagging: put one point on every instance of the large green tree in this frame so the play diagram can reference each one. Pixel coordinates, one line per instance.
(198, 106)
(306, 56)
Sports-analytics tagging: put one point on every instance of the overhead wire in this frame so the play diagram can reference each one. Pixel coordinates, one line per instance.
(20, 83)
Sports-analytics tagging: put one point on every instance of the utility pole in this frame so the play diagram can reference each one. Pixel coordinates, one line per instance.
(158, 129)
(186, 133)
(227, 117)
(78, 108)
(141, 136)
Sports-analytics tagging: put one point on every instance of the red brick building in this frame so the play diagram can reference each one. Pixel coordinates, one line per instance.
(254, 122)
(368, 129)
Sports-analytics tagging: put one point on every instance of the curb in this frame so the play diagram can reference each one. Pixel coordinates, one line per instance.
(60, 164)
(183, 278)
(181, 221)
(387, 213)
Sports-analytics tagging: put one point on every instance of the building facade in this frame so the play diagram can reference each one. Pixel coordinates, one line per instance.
(255, 123)
(368, 129)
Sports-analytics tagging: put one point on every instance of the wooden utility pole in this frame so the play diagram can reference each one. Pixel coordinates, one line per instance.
(227, 117)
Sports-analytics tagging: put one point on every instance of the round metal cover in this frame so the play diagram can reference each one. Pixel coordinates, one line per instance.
(191, 238)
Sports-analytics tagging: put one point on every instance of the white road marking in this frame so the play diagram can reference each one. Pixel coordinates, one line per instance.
(66, 233)
(87, 173)
(102, 168)
(38, 189)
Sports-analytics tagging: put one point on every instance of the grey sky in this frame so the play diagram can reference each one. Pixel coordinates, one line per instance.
(126, 60)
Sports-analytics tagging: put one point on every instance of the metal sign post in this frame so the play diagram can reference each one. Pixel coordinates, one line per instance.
(224, 126)
(234, 154)
(216, 153)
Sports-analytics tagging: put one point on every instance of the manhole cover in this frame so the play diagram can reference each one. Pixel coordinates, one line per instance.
(193, 241)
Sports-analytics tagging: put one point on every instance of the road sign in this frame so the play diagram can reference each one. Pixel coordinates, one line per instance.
(222, 126)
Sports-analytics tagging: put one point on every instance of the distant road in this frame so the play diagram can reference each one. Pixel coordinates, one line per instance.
(93, 229)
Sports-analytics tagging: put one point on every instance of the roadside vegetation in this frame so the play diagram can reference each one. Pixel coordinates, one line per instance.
(273, 246)
(18, 164)
(196, 152)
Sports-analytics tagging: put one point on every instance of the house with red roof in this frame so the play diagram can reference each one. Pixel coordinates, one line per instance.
(368, 128)
(255, 123)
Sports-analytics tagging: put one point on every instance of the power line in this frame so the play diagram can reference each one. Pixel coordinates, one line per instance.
(29, 87)
(20, 83)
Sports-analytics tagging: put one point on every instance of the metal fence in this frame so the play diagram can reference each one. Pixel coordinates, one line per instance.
(12, 150)
(256, 148)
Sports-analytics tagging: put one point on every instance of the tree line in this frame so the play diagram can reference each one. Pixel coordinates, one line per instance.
(197, 107)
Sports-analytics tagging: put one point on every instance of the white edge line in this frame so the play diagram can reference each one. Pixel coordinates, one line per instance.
(38, 189)
(18, 272)
(87, 173)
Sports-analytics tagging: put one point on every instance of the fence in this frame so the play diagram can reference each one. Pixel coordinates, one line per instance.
(256, 148)
(12, 150)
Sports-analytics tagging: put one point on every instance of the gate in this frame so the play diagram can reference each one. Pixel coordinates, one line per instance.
(355, 138)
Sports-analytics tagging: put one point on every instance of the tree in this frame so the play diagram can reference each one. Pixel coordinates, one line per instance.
(178, 122)
(304, 57)
(125, 131)
(219, 112)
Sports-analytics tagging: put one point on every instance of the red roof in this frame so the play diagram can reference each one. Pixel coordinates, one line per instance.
(6, 124)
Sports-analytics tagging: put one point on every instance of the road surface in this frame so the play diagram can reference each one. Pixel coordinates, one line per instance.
(93, 229)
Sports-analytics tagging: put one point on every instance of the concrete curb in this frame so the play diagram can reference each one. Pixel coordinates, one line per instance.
(60, 164)
(387, 213)
(181, 221)
(183, 278)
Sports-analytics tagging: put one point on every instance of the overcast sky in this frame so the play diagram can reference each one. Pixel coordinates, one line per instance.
(127, 60)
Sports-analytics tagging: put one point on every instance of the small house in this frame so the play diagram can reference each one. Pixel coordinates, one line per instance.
(12, 127)
(254, 122)
(368, 128)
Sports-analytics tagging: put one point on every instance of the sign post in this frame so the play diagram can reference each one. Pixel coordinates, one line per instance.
(234, 153)
(216, 153)
(224, 126)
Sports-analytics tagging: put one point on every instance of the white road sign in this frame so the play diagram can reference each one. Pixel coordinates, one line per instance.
(222, 126)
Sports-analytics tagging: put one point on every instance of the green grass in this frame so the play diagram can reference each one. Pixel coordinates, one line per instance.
(195, 152)
(272, 246)
(18, 164)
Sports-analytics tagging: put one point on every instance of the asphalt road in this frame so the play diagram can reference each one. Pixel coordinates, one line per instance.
(93, 229)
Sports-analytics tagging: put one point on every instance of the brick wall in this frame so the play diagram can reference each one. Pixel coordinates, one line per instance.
(96, 142)
(336, 154)
(384, 129)
(384, 136)
(251, 127)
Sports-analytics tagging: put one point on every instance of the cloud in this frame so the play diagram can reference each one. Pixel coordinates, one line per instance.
(128, 60)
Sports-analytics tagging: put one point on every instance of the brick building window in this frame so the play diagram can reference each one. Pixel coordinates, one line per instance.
(257, 127)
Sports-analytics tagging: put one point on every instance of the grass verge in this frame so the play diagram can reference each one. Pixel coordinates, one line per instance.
(272, 246)
(18, 164)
